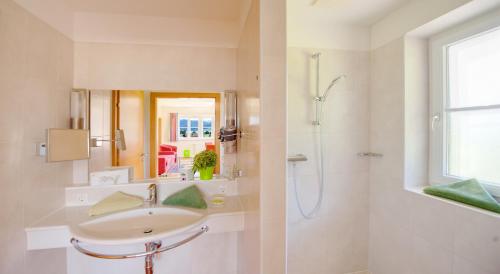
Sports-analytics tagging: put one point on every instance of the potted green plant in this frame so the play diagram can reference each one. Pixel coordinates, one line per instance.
(205, 162)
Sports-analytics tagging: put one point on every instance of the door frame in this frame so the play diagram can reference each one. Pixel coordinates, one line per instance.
(115, 125)
(153, 142)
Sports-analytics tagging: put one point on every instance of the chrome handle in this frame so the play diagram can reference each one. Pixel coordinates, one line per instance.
(435, 119)
(76, 245)
(370, 154)
(297, 158)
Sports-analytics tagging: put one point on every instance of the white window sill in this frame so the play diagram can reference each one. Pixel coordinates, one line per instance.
(420, 191)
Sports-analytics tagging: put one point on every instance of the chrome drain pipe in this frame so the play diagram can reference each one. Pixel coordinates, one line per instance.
(148, 260)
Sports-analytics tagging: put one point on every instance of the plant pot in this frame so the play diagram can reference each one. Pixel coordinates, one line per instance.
(206, 173)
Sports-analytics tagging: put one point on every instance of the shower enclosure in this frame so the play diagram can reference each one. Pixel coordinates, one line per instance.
(327, 208)
(320, 100)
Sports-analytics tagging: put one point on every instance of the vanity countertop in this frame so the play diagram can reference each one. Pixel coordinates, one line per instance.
(86, 195)
(54, 230)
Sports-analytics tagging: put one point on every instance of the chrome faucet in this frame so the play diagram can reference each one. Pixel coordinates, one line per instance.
(153, 194)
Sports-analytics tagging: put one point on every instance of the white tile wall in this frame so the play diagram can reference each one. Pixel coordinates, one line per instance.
(36, 64)
(337, 240)
(411, 233)
(210, 254)
(248, 156)
(153, 67)
(273, 116)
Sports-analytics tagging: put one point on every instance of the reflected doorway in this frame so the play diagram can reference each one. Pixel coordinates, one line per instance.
(128, 115)
(182, 125)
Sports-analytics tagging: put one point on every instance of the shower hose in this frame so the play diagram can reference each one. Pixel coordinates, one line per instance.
(319, 147)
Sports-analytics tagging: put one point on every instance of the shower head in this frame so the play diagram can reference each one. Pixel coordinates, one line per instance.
(332, 83)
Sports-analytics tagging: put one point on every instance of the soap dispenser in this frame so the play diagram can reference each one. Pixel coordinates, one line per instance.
(218, 200)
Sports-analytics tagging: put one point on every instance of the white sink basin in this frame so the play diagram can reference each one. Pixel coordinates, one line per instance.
(136, 226)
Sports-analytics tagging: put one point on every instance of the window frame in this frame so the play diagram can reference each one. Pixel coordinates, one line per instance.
(200, 127)
(211, 127)
(179, 136)
(439, 91)
(191, 120)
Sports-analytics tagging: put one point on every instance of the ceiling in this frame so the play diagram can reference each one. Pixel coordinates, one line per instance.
(336, 24)
(352, 12)
(357, 12)
(213, 23)
(195, 9)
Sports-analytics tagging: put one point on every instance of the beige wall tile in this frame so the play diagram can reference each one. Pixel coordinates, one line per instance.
(215, 254)
(249, 148)
(336, 241)
(477, 238)
(273, 113)
(35, 81)
(433, 220)
(430, 259)
(465, 266)
(150, 67)
(409, 232)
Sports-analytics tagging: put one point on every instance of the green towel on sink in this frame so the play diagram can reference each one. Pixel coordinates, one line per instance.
(469, 192)
(188, 197)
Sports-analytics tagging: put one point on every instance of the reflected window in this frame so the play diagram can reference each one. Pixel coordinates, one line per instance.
(183, 127)
(194, 128)
(207, 127)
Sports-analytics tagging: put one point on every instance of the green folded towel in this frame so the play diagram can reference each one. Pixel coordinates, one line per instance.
(469, 192)
(117, 201)
(188, 197)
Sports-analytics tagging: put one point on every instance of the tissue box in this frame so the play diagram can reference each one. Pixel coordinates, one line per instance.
(112, 176)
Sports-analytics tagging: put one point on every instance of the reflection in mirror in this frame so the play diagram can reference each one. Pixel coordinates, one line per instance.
(124, 124)
(127, 108)
(182, 125)
(185, 126)
(100, 130)
(119, 140)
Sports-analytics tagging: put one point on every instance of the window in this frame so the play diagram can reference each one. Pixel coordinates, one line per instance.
(195, 128)
(465, 94)
(183, 127)
(207, 127)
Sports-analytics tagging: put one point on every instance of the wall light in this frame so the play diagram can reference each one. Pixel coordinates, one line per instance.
(79, 109)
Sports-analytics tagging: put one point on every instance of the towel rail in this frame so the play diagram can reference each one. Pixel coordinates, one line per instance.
(370, 154)
(297, 158)
(76, 245)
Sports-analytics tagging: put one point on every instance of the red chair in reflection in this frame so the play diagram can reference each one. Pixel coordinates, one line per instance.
(167, 156)
(168, 148)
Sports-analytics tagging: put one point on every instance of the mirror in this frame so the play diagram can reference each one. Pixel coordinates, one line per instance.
(156, 133)
(119, 140)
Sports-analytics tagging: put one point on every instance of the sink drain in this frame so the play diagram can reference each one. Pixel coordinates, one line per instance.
(147, 230)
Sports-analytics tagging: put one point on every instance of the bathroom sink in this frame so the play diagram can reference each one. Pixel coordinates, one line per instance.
(136, 226)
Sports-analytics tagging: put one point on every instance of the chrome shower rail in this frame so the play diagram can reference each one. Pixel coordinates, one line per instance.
(76, 245)
(297, 158)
